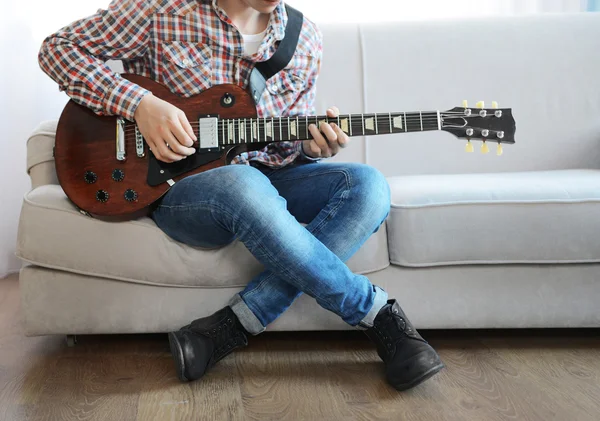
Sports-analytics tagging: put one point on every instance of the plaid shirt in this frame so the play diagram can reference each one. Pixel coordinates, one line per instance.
(187, 45)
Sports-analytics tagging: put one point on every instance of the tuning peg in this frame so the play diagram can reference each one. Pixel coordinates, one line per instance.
(484, 148)
(465, 103)
(499, 150)
(469, 146)
(480, 104)
(494, 104)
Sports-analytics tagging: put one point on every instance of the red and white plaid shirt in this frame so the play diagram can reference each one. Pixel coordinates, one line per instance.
(187, 45)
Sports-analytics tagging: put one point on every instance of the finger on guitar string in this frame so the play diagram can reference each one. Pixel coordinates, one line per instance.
(320, 141)
(314, 148)
(183, 142)
(175, 145)
(187, 127)
(330, 136)
(333, 112)
(161, 150)
(342, 138)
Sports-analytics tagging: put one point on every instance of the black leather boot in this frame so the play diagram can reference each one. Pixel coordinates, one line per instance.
(409, 359)
(201, 344)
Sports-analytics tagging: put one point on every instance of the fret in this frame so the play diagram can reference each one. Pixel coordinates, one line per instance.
(421, 117)
(268, 129)
(319, 122)
(280, 135)
(242, 129)
(272, 129)
(230, 132)
(265, 127)
(408, 128)
(391, 127)
(289, 128)
(226, 130)
(255, 131)
(415, 123)
(223, 132)
(363, 123)
(306, 128)
(376, 125)
(350, 117)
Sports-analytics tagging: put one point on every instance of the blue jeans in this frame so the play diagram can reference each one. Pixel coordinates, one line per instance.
(342, 205)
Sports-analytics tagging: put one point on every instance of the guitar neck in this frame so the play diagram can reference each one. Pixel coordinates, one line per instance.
(283, 129)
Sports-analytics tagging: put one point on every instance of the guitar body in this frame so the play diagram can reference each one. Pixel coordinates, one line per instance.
(86, 160)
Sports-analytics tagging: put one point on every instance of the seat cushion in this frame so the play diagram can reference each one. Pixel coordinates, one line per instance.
(53, 234)
(500, 218)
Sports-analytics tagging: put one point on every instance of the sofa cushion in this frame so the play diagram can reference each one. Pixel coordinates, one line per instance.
(524, 217)
(53, 234)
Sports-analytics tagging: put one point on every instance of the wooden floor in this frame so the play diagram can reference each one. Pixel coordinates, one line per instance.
(525, 375)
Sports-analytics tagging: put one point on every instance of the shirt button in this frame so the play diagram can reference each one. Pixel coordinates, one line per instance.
(275, 88)
(186, 62)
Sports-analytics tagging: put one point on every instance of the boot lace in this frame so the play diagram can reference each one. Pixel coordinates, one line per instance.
(226, 338)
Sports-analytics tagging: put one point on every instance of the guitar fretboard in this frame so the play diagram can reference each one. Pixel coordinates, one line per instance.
(279, 129)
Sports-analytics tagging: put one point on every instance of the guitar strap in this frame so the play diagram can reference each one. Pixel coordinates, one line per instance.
(264, 70)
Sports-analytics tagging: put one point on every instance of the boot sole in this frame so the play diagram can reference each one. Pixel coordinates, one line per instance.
(425, 376)
(177, 354)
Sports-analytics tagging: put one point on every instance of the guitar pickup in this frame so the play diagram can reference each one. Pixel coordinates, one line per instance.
(208, 132)
(139, 143)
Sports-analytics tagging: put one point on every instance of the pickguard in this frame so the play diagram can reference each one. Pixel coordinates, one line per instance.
(159, 172)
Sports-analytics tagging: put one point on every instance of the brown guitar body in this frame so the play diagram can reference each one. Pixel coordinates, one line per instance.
(86, 144)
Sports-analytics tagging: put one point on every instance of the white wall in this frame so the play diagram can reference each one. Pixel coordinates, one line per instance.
(27, 96)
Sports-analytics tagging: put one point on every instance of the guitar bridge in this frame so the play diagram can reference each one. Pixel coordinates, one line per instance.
(120, 139)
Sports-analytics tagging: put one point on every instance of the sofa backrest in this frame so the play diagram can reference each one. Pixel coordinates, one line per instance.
(545, 67)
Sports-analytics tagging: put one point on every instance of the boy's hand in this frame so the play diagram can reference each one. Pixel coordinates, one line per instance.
(165, 128)
(327, 143)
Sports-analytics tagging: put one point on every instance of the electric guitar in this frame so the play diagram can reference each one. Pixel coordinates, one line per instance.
(107, 170)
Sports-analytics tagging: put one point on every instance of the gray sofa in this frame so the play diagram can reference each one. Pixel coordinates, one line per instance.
(472, 240)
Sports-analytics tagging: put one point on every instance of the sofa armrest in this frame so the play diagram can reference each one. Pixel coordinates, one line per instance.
(40, 159)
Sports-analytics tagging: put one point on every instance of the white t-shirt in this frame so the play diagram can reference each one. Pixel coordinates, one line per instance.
(252, 42)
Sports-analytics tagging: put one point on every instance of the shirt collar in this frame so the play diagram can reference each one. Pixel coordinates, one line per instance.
(277, 21)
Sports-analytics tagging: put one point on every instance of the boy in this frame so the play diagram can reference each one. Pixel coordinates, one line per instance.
(264, 196)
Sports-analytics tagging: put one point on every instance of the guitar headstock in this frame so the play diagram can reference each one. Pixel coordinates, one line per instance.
(485, 124)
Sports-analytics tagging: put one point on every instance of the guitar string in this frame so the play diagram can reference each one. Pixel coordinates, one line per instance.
(302, 119)
(284, 124)
(368, 115)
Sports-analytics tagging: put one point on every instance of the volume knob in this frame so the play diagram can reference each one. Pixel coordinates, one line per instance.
(118, 175)
(90, 177)
(102, 196)
(130, 195)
